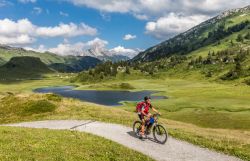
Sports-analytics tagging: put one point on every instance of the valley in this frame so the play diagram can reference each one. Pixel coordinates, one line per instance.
(204, 73)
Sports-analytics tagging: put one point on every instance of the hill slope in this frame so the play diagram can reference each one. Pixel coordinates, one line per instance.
(76, 64)
(60, 63)
(19, 68)
(224, 25)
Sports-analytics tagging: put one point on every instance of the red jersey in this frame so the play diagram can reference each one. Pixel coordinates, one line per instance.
(143, 106)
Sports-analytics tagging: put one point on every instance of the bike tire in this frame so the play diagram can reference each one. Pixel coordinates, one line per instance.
(137, 127)
(160, 129)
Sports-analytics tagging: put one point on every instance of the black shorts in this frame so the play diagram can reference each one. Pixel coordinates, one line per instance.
(141, 116)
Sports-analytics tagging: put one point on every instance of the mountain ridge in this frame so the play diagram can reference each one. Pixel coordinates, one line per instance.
(195, 35)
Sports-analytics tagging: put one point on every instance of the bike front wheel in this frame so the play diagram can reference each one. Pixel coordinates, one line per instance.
(160, 134)
(137, 127)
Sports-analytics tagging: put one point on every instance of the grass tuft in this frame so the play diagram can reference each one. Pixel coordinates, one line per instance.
(40, 106)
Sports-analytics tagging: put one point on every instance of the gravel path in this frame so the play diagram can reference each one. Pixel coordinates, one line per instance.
(173, 150)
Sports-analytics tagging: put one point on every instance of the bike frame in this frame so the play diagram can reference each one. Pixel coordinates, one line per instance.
(154, 124)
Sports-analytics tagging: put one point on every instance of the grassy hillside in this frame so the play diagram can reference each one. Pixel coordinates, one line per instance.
(19, 68)
(57, 62)
(2, 61)
(49, 145)
(6, 53)
(27, 107)
(207, 33)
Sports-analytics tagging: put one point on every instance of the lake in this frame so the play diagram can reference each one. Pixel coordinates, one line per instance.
(109, 98)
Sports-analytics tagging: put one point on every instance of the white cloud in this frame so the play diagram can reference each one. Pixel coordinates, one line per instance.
(120, 50)
(25, 32)
(66, 30)
(141, 16)
(97, 47)
(157, 12)
(120, 6)
(159, 8)
(37, 10)
(17, 40)
(27, 1)
(129, 37)
(97, 43)
(41, 48)
(64, 14)
(172, 24)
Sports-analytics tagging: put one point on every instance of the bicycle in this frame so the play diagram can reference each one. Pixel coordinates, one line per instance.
(160, 134)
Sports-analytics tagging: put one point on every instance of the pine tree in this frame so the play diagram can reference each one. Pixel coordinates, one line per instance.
(127, 71)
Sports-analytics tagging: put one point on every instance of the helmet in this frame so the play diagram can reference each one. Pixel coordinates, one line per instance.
(146, 98)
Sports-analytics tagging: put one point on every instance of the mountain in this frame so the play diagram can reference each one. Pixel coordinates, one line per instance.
(228, 23)
(104, 55)
(7, 52)
(60, 63)
(19, 68)
(216, 50)
(77, 64)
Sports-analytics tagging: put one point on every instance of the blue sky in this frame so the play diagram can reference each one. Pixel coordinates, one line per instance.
(57, 25)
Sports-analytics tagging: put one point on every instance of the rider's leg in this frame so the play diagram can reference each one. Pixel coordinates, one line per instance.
(143, 127)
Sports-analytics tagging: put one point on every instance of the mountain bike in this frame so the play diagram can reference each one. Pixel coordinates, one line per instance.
(160, 134)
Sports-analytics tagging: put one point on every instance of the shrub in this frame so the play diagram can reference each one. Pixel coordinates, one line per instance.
(53, 97)
(126, 86)
(40, 106)
(247, 81)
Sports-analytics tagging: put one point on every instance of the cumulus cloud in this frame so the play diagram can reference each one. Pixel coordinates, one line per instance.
(120, 50)
(66, 30)
(27, 1)
(172, 24)
(129, 37)
(159, 8)
(25, 32)
(17, 40)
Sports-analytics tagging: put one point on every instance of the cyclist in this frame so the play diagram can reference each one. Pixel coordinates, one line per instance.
(143, 113)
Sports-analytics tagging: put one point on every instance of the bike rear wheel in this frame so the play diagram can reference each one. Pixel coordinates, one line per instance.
(160, 134)
(137, 127)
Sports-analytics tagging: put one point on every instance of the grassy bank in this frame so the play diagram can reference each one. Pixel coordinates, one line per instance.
(41, 144)
(26, 86)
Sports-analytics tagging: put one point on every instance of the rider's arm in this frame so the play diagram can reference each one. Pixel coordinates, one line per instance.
(155, 110)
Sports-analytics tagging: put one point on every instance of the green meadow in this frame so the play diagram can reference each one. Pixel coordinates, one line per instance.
(42, 144)
(210, 114)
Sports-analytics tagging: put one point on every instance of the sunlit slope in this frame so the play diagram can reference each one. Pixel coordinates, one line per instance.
(207, 33)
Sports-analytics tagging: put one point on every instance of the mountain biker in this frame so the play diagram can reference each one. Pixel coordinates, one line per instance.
(143, 112)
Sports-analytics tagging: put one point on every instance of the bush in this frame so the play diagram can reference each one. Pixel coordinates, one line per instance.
(209, 74)
(231, 75)
(126, 86)
(247, 81)
(40, 106)
(53, 97)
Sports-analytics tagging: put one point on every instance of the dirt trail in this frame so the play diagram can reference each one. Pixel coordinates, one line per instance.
(173, 150)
